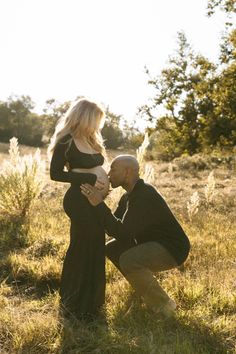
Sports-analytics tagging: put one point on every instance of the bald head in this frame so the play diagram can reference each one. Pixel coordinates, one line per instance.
(127, 161)
(124, 171)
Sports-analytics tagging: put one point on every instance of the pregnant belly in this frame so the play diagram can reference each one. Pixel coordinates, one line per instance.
(101, 176)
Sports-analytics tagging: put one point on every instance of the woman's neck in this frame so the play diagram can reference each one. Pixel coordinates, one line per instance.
(84, 145)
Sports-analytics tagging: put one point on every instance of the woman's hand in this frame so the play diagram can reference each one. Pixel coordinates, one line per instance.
(99, 185)
(93, 195)
(102, 182)
(102, 188)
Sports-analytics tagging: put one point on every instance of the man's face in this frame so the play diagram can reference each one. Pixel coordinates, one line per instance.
(117, 174)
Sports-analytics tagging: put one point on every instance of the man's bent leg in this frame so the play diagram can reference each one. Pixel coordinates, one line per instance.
(114, 249)
(138, 263)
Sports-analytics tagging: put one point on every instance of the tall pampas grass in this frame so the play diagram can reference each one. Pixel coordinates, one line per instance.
(209, 189)
(146, 170)
(21, 180)
(193, 205)
(141, 152)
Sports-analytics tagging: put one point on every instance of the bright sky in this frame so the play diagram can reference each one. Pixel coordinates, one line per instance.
(64, 48)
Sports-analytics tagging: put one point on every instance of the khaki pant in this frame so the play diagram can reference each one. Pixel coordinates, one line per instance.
(138, 264)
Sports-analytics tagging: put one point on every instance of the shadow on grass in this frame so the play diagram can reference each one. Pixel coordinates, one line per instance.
(135, 330)
(84, 336)
(177, 334)
(26, 282)
(31, 289)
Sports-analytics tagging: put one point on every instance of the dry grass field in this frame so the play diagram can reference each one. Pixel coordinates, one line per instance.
(204, 288)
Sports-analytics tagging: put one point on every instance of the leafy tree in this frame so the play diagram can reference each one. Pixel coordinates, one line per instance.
(53, 110)
(183, 91)
(6, 122)
(111, 131)
(222, 130)
(133, 137)
(17, 119)
(228, 6)
(198, 101)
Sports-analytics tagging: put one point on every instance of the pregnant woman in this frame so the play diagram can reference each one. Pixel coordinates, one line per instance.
(77, 145)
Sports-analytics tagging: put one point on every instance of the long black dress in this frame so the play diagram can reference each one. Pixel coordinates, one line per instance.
(82, 287)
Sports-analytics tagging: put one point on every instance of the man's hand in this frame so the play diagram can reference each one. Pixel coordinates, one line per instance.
(93, 195)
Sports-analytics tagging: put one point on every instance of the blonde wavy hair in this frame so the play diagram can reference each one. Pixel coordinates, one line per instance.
(84, 119)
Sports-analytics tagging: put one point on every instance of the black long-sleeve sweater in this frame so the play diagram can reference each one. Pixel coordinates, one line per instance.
(67, 154)
(142, 216)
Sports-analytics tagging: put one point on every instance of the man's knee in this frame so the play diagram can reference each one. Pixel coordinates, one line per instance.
(129, 262)
(114, 249)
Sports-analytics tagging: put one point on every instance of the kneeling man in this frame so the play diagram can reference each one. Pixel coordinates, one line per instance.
(147, 236)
